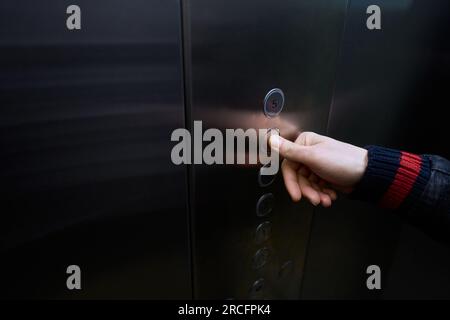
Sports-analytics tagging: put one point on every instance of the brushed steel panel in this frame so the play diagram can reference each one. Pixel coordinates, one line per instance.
(235, 52)
(85, 170)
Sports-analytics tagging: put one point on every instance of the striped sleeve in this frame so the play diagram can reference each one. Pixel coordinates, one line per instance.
(393, 179)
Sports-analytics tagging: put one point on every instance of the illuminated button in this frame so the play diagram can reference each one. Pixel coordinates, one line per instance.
(257, 289)
(265, 204)
(273, 102)
(263, 232)
(261, 257)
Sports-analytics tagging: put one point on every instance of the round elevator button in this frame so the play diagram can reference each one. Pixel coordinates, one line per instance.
(273, 102)
(265, 204)
(286, 269)
(260, 258)
(257, 288)
(265, 180)
(263, 232)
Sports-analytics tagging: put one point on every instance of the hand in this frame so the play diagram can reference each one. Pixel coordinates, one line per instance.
(315, 166)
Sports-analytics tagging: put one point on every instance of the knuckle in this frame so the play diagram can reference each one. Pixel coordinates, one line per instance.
(301, 138)
(309, 138)
(306, 138)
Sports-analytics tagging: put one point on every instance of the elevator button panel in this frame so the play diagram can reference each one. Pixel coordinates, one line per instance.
(273, 102)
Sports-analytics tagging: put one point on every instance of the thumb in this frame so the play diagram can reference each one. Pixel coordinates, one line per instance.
(290, 150)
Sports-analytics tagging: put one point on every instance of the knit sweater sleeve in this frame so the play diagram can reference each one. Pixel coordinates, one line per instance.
(393, 179)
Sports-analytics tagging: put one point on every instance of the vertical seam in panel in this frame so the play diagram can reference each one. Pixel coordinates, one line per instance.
(311, 226)
(186, 83)
(338, 59)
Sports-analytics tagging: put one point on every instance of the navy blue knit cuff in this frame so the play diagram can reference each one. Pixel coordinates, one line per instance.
(393, 178)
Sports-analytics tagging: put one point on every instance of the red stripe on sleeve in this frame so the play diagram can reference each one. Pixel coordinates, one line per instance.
(404, 179)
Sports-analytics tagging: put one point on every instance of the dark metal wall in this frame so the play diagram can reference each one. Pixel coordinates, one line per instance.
(85, 170)
(85, 121)
(391, 90)
(235, 52)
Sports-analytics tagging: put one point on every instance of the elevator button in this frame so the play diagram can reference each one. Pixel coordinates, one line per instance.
(261, 257)
(257, 289)
(286, 269)
(273, 102)
(265, 180)
(264, 145)
(263, 232)
(265, 204)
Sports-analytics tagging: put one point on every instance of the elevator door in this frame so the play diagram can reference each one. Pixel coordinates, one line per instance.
(86, 177)
(390, 88)
(235, 53)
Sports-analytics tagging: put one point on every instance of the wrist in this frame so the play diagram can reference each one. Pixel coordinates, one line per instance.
(361, 165)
